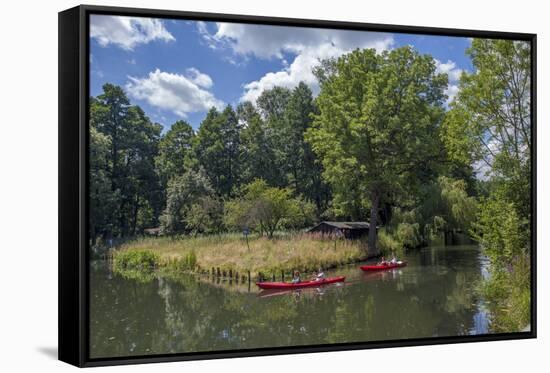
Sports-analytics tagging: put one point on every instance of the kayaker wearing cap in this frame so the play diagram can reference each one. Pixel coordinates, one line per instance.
(383, 262)
(393, 260)
(296, 278)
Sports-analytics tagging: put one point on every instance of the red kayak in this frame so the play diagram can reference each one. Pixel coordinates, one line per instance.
(382, 267)
(303, 284)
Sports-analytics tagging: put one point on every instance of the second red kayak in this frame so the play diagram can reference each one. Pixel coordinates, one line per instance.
(303, 284)
(382, 267)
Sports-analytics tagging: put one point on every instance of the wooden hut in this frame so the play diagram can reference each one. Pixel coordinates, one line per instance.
(347, 229)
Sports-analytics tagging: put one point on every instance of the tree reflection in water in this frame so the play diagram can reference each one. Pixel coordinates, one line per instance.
(432, 296)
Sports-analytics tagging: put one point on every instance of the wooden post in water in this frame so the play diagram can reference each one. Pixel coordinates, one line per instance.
(282, 275)
(218, 274)
(249, 279)
(273, 276)
(230, 273)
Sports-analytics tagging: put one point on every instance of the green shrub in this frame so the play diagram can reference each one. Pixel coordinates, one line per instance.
(388, 243)
(135, 259)
(508, 294)
(409, 234)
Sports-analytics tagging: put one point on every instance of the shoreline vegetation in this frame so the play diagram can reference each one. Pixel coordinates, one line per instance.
(229, 256)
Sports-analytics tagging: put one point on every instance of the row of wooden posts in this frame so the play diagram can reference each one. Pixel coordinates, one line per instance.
(230, 274)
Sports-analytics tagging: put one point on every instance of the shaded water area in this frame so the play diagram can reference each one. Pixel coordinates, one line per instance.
(432, 296)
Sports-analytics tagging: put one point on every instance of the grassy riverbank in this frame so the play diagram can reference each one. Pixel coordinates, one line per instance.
(229, 252)
(508, 294)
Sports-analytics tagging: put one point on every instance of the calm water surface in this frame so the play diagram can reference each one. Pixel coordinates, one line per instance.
(432, 296)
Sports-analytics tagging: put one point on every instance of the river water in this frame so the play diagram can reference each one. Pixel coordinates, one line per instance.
(432, 296)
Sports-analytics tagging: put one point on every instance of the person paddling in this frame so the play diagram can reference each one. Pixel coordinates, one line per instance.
(320, 276)
(296, 278)
(383, 262)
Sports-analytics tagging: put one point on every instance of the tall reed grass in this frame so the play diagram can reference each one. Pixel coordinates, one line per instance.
(286, 252)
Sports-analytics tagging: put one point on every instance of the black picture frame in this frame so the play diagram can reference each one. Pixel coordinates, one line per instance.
(73, 252)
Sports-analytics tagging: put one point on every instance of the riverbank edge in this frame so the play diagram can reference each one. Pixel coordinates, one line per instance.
(184, 265)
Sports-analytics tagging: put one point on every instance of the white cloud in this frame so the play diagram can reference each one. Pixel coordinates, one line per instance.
(450, 69)
(200, 79)
(307, 45)
(127, 32)
(273, 41)
(453, 72)
(289, 77)
(210, 39)
(180, 94)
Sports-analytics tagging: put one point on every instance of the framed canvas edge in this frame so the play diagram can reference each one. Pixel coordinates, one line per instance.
(73, 106)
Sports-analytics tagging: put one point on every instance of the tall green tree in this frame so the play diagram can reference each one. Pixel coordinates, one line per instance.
(258, 154)
(374, 133)
(489, 123)
(103, 201)
(302, 166)
(218, 151)
(175, 150)
(272, 103)
(140, 187)
(128, 163)
(272, 106)
(108, 112)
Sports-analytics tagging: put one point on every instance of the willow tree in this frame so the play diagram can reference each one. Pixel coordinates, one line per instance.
(376, 127)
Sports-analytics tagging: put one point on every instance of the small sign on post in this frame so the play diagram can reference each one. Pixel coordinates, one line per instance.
(246, 233)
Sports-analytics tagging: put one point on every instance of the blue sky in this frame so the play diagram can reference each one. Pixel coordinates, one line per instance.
(176, 69)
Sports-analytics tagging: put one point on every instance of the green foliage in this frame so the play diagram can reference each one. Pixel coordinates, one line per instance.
(489, 121)
(187, 262)
(376, 130)
(489, 125)
(217, 150)
(503, 235)
(135, 259)
(259, 158)
(409, 234)
(266, 209)
(175, 150)
(124, 182)
(206, 216)
(508, 294)
(446, 207)
(388, 243)
(186, 195)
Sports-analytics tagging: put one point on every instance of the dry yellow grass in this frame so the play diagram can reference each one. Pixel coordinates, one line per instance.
(229, 252)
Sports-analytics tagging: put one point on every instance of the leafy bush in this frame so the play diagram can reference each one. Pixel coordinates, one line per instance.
(267, 209)
(501, 232)
(508, 293)
(135, 259)
(409, 234)
(388, 243)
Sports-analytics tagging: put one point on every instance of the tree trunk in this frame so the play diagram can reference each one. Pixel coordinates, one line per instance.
(375, 202)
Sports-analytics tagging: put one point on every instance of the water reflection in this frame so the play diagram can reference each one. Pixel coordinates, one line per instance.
(432, 296)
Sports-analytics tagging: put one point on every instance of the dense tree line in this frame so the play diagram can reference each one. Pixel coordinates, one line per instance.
(182, 180)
